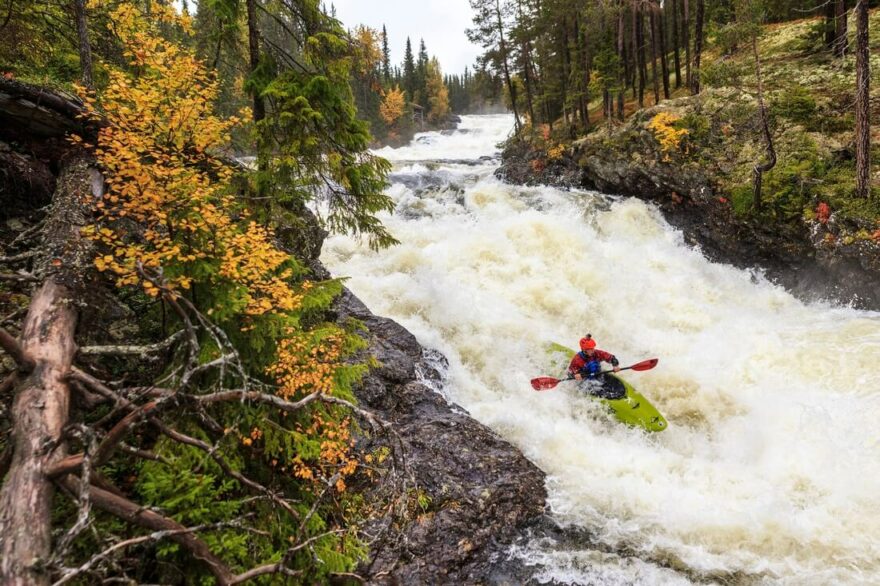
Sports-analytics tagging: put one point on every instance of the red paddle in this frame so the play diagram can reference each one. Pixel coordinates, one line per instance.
(545, 383)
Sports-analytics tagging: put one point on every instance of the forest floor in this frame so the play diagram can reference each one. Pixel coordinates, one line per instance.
(810, 97)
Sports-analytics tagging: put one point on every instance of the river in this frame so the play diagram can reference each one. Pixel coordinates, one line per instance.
(769, 472)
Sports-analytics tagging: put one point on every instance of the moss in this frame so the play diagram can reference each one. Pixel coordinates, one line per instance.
(741, 199)
(794, 103)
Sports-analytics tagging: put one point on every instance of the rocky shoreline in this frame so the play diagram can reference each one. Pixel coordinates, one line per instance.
(481, 493)
(814, 258)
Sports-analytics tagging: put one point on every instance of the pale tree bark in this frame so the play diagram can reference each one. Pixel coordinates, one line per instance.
(863, 107)
(42, 398)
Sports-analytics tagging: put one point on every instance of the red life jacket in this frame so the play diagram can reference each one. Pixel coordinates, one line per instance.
(581, 360)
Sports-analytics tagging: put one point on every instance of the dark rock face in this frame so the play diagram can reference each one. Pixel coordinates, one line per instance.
(813, 260)
(482, 493)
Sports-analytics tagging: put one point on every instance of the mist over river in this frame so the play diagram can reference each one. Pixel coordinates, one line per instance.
(769, 472)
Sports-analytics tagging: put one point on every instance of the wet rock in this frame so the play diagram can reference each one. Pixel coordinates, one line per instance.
(481, 492)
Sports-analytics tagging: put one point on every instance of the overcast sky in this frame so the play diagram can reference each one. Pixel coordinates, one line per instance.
(440, 22)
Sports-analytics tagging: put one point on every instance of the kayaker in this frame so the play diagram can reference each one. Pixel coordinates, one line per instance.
(587, 364)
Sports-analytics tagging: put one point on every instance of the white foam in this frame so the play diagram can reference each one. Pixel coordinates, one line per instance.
(771, 466)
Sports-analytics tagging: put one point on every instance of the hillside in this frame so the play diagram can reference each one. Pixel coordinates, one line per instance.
(702, 150)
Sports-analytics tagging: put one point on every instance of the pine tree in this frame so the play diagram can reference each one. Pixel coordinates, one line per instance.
(386, 57)
(422, 76)
(409, 72)
(491, 26)
(863, 106)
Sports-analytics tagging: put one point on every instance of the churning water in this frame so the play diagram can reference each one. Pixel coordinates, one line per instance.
(770, 469)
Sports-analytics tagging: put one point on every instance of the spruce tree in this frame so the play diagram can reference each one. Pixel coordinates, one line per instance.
(386, 57)
(409, 72)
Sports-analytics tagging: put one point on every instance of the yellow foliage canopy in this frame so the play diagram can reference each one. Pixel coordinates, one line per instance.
(438, 93)
(168, 217)
(393, 106)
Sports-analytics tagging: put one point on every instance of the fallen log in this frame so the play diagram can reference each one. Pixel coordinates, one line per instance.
(42, 395)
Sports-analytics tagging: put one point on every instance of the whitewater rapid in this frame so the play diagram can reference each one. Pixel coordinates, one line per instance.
(770, 469)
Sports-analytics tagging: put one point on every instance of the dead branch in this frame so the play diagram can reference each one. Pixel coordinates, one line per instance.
(108, 445)
(19, 257)
(281, 567)
(85, 503)
(9, 318)
(137, 515)
(8, 385)
(11, 346)
(84, 398)
(140, 351)
(19, 277)
(143, 454)
(155, 536)
(32, 231)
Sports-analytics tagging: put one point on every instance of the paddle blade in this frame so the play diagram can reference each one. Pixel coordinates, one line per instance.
(646, 365)
(544, 383)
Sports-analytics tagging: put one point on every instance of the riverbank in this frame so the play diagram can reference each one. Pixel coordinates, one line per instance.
(449, 497)
(808, 243)
(694, 156)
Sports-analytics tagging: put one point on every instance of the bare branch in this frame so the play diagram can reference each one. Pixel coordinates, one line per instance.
(85, 503)
(19, 257)
(108, 445)
(137, 515)
(8, 385)
(141, 351)
(281, 567)
(13, 348)
(19, 277)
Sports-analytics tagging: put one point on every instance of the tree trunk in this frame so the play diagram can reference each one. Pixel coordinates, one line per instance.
(675, 43)
(830, 24)
(254, 50)
(664, 62)
(502, 47)
(687, 41)
(640, 44)
(652, 21)
(42, 398)
(863, 112)
(85, 48)
(634, 70)
(564, 67)
(621, 51)
(698, 47)
(762, 168)
(840, 33)
(527, 62)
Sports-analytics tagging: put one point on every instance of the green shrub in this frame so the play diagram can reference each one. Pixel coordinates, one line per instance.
(723, 73)
(796, 104)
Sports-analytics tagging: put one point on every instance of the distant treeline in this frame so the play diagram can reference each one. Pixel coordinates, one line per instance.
(398, 100)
